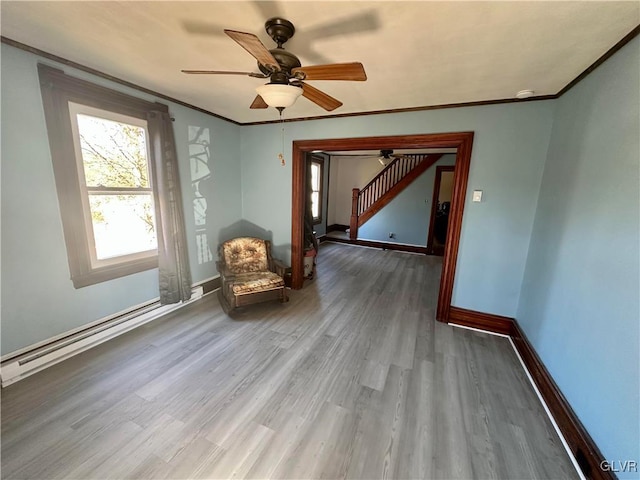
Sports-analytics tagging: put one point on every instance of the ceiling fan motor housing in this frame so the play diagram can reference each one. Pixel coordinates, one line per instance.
(280, 30)
(286, 60)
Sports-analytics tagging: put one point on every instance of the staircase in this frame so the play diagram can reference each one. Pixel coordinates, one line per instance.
(385, 186)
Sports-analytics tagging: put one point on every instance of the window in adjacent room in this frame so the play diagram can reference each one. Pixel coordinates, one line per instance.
(317, 165)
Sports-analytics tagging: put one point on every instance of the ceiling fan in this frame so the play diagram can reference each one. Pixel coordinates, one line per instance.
(285, 72)
(385, 158)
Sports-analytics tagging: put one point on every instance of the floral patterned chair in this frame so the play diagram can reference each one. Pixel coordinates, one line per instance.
(248, 273)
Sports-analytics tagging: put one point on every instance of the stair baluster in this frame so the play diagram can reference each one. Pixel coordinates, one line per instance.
(394, 178)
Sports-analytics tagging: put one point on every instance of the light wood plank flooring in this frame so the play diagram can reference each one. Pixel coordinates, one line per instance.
(351, 379)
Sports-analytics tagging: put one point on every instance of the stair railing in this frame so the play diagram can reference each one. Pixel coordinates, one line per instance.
(365, 200)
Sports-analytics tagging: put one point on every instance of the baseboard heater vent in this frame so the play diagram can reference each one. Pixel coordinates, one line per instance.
(41, 356)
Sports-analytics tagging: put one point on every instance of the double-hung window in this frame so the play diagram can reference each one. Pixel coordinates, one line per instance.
(100, 150)
(115, 189)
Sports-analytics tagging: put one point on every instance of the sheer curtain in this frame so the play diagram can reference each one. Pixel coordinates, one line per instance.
(173, 260)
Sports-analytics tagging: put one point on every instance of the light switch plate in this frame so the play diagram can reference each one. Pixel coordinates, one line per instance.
(477, 195)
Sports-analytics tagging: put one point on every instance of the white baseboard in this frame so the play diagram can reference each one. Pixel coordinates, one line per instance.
(44, 354)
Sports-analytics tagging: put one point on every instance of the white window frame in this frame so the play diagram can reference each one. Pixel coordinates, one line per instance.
(320, 163)
(76, 109)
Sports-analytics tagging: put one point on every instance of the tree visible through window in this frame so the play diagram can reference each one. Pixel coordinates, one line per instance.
(113, 170)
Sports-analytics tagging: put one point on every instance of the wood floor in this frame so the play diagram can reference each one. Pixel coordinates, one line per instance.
(351, 379)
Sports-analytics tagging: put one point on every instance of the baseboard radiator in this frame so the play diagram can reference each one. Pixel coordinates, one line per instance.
(26, 362)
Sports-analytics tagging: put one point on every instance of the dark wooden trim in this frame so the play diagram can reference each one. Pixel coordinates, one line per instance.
(483, 321)
(394, 191)
(79, 90)
(337, 227)
(409, 109)
(353, 219)
(382, 245)
(608, 54)
(584, 449)
(452, 243)
(434, 201)
(322, 238)
(461, 141)
(210, 285)
(106, 76)
(297, 214)
(98, 73)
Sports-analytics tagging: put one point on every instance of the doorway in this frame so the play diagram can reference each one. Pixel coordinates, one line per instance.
(461, 141)
(440, 209)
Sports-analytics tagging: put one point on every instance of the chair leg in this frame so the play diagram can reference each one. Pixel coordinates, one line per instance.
(284, 298)
(226, 307)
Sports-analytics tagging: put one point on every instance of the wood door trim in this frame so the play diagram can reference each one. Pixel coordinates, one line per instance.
(462, 141)
(434, 201)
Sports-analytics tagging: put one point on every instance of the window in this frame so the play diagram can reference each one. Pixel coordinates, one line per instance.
(317, 166)
(115, 189)
(100, 152)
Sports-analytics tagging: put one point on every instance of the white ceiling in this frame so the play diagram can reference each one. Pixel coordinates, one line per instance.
(415, 53)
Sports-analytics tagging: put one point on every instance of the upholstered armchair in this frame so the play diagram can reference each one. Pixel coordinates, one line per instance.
(248, 273)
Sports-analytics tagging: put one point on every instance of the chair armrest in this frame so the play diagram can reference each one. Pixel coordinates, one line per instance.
(279, 267)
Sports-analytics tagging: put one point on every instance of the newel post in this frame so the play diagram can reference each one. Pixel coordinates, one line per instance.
(353, 226)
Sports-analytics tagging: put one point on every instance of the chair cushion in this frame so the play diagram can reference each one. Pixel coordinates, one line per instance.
(245, 254)
(256, 282)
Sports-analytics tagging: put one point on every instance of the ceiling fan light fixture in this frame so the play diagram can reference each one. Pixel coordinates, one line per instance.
(279, 95)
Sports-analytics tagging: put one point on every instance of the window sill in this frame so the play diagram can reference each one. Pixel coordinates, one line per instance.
(112, 272)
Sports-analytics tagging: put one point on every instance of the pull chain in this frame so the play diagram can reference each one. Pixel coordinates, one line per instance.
(281, 154)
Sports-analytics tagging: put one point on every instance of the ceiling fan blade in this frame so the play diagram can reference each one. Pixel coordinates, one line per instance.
(320, 98)
(268, 9)
(258, 102)
(202, 28)
(255, 47)
(222, 72)
(335, 71)
(365, 21)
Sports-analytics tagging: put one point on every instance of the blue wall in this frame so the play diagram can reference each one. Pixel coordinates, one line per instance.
(579, 304)
(509, 151)
(409, 214)
(38, 298)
